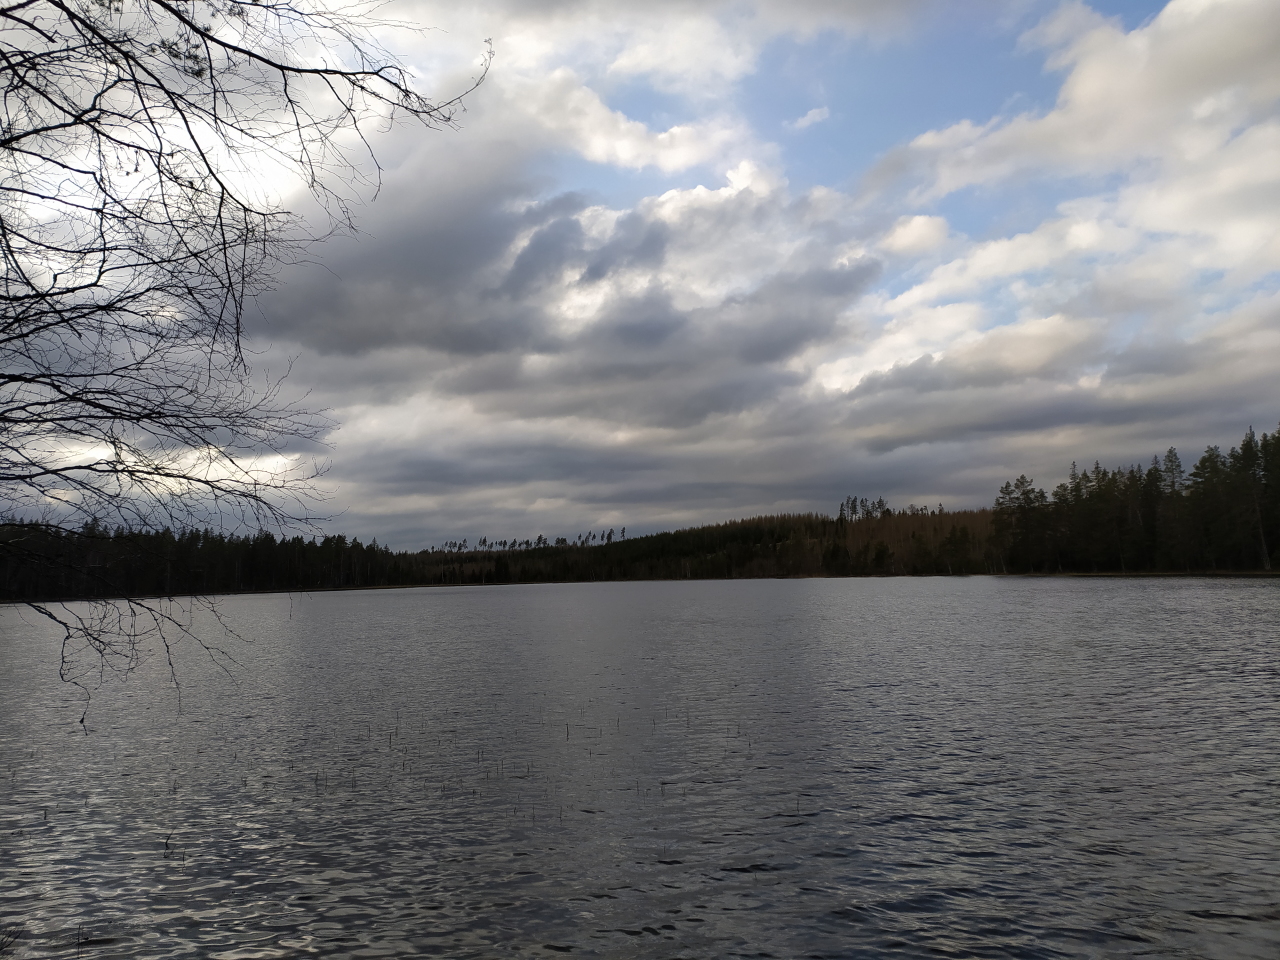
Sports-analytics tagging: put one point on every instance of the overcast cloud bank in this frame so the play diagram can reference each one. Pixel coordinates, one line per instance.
(602, 303)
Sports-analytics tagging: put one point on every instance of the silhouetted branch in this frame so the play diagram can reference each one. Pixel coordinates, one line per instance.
(138, 143)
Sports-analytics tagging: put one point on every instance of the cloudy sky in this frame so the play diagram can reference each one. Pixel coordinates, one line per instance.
(684, 262)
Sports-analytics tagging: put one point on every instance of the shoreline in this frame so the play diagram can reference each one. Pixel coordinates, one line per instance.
(1064, 575)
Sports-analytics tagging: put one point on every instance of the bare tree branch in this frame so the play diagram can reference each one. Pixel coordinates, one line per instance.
(135, 136)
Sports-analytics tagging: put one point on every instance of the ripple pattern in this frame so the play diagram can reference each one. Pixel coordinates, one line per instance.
(985, 767)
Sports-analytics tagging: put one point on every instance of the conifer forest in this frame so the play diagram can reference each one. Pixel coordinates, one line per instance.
(1222, 515)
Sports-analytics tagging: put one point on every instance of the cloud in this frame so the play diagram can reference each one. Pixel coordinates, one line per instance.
(479, 335)
(816, 115)
(1174, 92)
(1055, 245)
(1162, 145)
(695, 48)
(684, 307)
(916, 235)
(575, 115)
(514, 349)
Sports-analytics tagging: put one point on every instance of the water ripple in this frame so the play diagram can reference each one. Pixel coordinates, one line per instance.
(955, 768)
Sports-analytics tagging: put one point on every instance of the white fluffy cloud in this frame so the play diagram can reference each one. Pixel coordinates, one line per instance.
(816, 115)
(575, 116)
(1178, 120)
(1174, 93)
(916, 235)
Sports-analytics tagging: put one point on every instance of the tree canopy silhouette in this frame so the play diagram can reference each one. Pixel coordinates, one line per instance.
(139, 141)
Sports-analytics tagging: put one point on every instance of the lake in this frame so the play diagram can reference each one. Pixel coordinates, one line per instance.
(977, 767)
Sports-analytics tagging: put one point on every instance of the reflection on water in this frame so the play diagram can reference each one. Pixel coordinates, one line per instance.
(835, 768)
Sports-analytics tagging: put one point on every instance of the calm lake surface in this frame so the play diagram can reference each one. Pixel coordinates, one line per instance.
(985, 767)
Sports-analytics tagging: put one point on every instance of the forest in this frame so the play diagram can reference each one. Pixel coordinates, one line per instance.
(1221, 516)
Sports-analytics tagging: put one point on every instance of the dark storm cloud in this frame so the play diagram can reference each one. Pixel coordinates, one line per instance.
(637, 243)
(645, 362)
(634, 327)
(410, 276)
(543, 258)
(790, 311)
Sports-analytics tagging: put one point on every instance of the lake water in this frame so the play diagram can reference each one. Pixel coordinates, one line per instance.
(985, 767)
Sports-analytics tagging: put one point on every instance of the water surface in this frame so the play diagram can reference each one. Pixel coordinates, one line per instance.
(989, 767)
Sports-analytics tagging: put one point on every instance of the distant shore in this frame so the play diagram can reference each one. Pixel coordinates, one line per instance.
(1219, 519)
(1148, 575)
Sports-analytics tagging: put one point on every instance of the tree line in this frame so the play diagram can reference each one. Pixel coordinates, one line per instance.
(1221, 516)
(49, 564)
